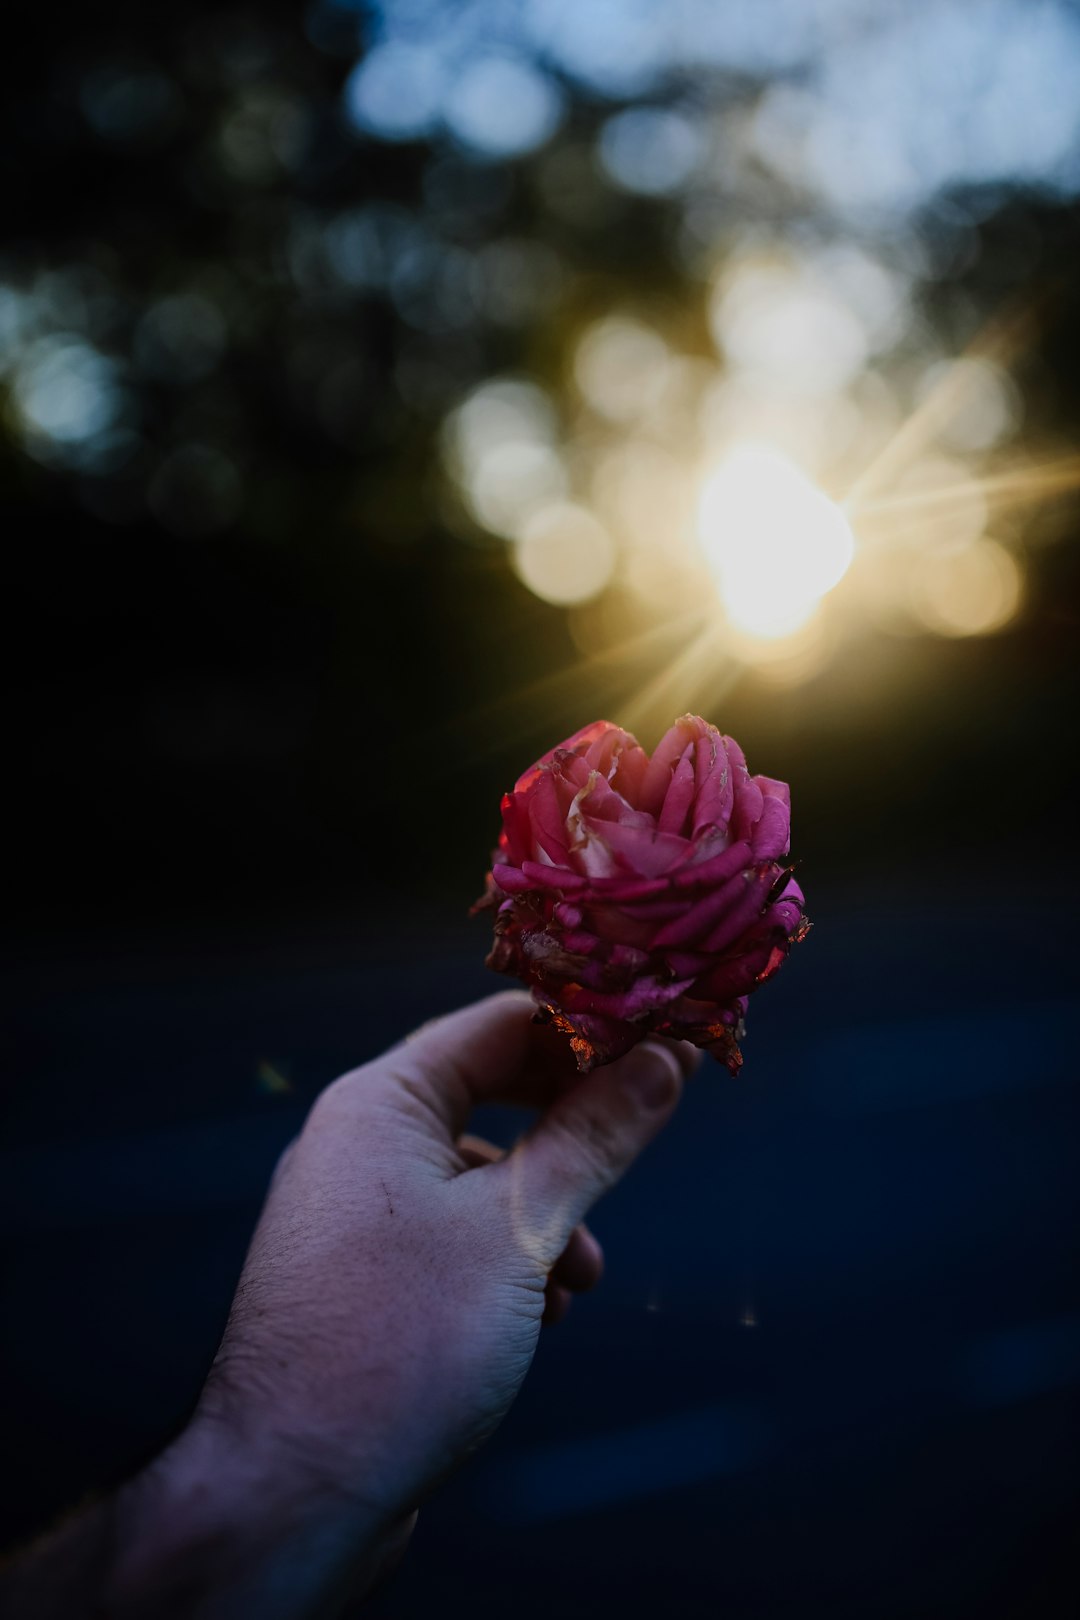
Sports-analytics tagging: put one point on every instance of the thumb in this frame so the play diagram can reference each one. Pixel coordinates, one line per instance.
(588, 1139)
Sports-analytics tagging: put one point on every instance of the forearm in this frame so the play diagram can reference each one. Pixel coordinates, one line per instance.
(204, 1531)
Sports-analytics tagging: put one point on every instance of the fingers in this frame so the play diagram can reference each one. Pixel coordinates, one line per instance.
(587, 1140)
(580, 1265)
(489, 1052)
(476, 1151)
(556, 1304)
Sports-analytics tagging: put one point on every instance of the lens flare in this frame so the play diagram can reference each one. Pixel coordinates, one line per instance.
(775, 543)
(564, 555)
(621, 367)
(969, 591)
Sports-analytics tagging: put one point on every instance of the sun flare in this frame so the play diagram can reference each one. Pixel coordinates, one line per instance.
(774, 542)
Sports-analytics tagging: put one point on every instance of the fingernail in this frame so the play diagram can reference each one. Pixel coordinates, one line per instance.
(653, 1075)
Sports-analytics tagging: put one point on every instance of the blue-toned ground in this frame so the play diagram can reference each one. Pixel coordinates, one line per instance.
(833, 1368)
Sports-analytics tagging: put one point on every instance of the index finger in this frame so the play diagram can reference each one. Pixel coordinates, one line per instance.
(490, 1052)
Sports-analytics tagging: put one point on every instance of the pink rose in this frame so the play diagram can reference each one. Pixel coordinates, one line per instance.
(639, 896)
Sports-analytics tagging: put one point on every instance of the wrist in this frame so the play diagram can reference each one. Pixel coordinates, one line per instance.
(217, 1529)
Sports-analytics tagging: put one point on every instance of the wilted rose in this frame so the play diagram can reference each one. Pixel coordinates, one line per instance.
(639, 896)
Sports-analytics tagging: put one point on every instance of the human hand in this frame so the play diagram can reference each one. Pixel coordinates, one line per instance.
(394, 1291)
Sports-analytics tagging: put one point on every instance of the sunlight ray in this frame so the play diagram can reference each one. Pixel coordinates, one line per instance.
(1000, 340)
(1014, 486)
(672, 687)
(484, 724)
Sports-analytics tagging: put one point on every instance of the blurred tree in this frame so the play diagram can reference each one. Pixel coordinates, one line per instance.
(252, 259)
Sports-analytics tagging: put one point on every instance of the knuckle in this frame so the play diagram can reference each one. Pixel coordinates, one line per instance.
(594, 1139)
(415, 1082)
(338, 1102)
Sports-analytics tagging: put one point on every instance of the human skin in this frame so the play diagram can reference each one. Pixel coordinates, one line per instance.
(387, 1314)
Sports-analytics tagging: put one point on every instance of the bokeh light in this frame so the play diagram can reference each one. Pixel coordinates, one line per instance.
(67, 397)
(642, 491)
(180, 338)
(970, 589)
(775, 543)
(509, 481)
(502, 107)
(503, 411)
(501, 445)
(650, 150)
(625, 245)
(987, 405)
(564, 555)
(397, 91)
(620, 366)
(938, 502)
(781, 321)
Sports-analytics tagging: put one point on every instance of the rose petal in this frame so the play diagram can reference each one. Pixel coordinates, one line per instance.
(578, 743)
(679, 797)
(633, 762)
(772, 789)
(736, 757)
(590, 852)
(594, 1039)
(511, 880)
(644, 996)
(558, 878)
(681, 879)
(716, 869)
(771, 835)
(707, 750)
(547, 820)
(715, 788)
(736, 976)
(775, 961)
(786, 915)
(696, 1015)
(651, 913)
(669, 751)
(609, 922)
(642, 850)
(700, 918)
(612, 974)
(636, 895)
(748, 802)
(516, 830)
(749, 906)
(627, 887)
(602, 801)
(605, 752)
(688, 964)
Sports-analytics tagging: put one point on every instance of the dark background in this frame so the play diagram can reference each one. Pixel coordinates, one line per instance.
(267, 682)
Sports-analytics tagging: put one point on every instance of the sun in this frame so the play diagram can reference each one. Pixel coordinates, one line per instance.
(774, 542)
